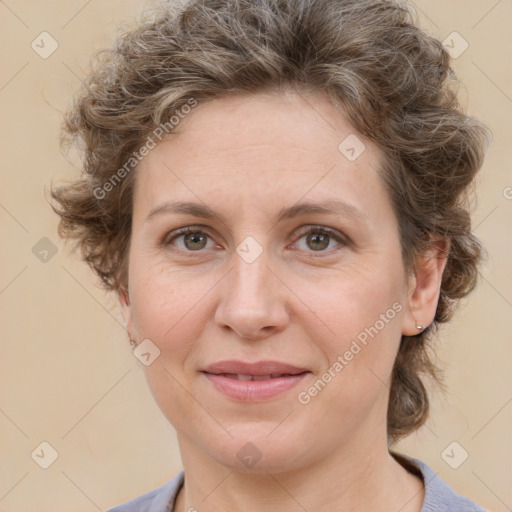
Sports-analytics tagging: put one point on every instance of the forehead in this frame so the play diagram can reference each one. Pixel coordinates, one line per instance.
(263, 149)
(274, 120)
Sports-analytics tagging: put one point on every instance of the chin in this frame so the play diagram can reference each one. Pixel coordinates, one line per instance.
(255, 452)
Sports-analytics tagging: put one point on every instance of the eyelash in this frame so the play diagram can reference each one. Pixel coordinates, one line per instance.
(192, 230)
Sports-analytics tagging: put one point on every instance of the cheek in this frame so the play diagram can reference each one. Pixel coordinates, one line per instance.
(355, 301)
(165, 299)
(352, 389)
(168, 307)
(363, 311)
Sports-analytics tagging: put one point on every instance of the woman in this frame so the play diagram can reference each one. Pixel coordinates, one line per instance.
(276, 191)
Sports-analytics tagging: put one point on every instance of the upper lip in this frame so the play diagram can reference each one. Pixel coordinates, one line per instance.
(258, 368)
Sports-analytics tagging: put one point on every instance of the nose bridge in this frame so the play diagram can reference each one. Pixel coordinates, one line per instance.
(252, 302)
(250, 278)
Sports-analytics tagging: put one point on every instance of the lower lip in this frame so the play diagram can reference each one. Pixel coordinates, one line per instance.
(254, 390)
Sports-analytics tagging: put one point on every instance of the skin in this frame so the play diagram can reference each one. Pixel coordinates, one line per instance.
(246, 157)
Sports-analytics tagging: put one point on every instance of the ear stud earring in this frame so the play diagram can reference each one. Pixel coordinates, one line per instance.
(132, 343)
(418, 326)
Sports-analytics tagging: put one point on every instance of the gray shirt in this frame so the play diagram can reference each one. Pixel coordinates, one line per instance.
(439, 497)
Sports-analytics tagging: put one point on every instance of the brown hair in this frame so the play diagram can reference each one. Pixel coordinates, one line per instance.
(392, 80)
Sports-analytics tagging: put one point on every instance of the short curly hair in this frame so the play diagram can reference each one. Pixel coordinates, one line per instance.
(392, 81)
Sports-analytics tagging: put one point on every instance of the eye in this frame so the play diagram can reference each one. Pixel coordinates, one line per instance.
(194, 239)
(319, 238)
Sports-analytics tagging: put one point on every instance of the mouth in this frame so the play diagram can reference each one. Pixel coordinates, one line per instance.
(253, 382)
(246, 377)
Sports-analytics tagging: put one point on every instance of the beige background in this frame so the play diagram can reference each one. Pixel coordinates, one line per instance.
(67, 374)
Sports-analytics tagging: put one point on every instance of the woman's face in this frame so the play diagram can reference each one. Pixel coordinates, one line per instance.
(261, 283)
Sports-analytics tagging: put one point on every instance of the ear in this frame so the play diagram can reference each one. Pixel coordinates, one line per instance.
(126, 310)
(424, 287)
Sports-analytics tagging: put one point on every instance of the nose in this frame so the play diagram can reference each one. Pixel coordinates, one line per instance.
(253, 300)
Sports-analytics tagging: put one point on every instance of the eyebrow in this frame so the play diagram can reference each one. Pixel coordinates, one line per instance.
(300, 209)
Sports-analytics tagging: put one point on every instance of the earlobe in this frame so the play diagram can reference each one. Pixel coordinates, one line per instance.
(425, 288)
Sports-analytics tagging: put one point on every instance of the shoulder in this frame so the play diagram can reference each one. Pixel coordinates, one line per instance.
(160, 499)
(439, 496)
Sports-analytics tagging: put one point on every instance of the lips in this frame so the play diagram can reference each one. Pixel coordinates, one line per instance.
(253, 381)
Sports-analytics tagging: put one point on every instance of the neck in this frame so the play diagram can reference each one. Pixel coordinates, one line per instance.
(356, 479)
